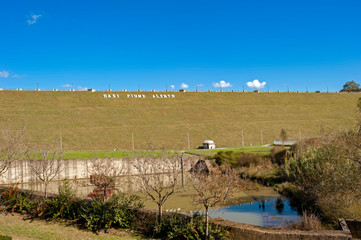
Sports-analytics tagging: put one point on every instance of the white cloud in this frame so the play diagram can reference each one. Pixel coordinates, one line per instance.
(18, 76)
(172, 86)
(33, 18)
(256, 84)
(200, 85)
(4, 74)
(80, 88)
(222, 84)
(67, 85)
(184, 85)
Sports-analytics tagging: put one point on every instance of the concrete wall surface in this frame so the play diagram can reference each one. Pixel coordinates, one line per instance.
(22, 171)
(355, 227)
(251, 232)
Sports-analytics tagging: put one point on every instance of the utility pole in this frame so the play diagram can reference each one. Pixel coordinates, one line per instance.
(133, 140)
(182, 166)
(61, 142)
(299, 130)
(261, 138)
(188, 142)
(242, 139)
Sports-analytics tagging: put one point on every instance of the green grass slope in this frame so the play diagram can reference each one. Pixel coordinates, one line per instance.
(87, 120)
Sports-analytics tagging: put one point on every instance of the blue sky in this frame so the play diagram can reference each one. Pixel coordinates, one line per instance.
(157, 44)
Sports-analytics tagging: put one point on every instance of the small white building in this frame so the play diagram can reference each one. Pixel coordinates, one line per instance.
(209, 144)
(91, 90)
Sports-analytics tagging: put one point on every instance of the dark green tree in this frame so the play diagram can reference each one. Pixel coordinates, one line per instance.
(351, 86)
(283, 135)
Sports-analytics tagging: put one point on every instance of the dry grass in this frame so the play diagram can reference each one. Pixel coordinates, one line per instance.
(15, 226)
(89, 121)
(309, 221)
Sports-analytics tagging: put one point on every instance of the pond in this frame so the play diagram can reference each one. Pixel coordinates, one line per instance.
(270, 212)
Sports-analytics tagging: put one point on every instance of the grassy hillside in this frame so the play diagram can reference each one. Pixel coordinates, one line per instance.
(89, 121)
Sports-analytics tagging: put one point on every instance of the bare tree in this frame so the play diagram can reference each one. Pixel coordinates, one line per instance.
(46, 164)
(12, 148)
(213, 188)
(158, 178)
(103, 174)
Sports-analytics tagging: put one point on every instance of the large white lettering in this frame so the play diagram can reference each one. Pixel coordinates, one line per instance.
(140, 96)
(110, 95)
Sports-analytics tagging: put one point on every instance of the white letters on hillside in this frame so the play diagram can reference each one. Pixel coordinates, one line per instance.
(140, 96)
(110, 95)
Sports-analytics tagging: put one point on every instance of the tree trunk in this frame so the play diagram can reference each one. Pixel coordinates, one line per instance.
(160, 213)
(46, 189)
(207, 223)
(104, 194)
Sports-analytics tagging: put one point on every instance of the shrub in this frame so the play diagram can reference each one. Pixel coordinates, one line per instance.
(305, 145)
(278, 155)
(117, 211)
(174, 226)
(14, 201)
(237, 159)
(64, 206)
(309, 221)
(4, 237)
(325, 180)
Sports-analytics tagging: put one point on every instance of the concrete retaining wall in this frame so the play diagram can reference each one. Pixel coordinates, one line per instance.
(250, 232)
(22, 172)
(355, 227)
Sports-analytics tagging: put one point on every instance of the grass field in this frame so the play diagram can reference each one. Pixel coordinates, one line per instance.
(246, 149)
(83, 154)
(15, 226)
(88, 121)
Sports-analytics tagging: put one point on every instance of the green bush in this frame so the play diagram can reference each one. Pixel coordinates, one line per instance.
(118, 211)
(4, 237)
(64, 206)
(174, 226)
(237, 159)
(325, 181)
(13, 200)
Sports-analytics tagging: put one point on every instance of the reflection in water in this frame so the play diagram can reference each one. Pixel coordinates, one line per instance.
(264, 208)
(270, 212)
(279, 205)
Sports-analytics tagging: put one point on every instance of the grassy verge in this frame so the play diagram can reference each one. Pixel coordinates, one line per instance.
(82, 154)
(256, 149)
(17, 227)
